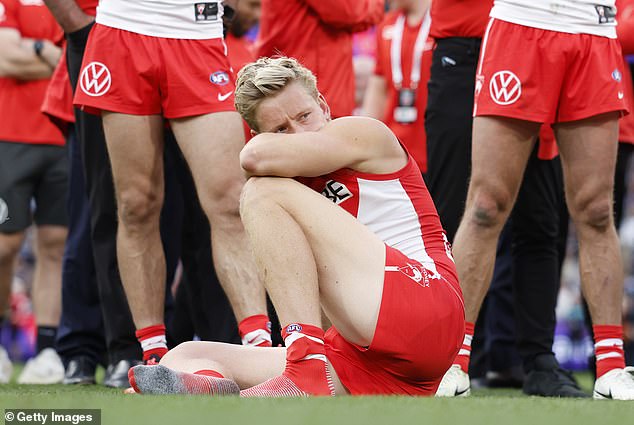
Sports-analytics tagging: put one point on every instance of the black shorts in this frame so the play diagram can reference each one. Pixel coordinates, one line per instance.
(32, 172)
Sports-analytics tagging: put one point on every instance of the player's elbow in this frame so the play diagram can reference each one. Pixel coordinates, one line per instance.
(249, 161)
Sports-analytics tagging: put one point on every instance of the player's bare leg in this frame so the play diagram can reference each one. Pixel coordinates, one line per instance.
(588, 151)
(47, 279)
(135, 148)
(211, 145)
(10, 244)
(501, 148)
(322, 255)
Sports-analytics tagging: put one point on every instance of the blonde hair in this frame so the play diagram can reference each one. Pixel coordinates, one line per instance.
(265, 78)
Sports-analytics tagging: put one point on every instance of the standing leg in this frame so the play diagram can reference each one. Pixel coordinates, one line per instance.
(588, 150)
(211, 145)
(135, 148)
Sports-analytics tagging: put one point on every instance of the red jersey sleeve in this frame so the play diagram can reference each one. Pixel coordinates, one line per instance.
(9, 14)
(353, 16)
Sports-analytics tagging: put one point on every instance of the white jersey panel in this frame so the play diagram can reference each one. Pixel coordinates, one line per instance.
(386, 209)
(595, 17)
(162, 18)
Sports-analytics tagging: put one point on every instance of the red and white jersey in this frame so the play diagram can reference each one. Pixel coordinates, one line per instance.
(184, 19)
(396, 207)
(595, 17)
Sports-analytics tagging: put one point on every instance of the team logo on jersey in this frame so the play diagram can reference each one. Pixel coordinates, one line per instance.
(606, 13)
(616, 75)
(4, 211)
(95, 79)
(418, 275)
(505, 88)
(206, 11)
(294, 327)
(220, 78)
(336, 192)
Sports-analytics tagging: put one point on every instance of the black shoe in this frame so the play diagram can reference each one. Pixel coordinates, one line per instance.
(548, 379)
(512, 377)
(80, 370)
(117, 374)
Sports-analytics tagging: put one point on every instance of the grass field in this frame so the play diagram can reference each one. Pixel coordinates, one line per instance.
(483, 407)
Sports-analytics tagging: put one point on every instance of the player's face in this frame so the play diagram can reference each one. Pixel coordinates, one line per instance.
(292, 110)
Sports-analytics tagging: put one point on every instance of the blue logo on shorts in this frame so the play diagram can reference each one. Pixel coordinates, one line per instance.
(220, 78)
(616, 75)
(295, 327)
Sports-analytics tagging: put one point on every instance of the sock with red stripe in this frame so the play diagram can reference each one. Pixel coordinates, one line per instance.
(306, 371)
(159, 379)
(608, 348)
(255, 331)
(153, 342)
(464, 355)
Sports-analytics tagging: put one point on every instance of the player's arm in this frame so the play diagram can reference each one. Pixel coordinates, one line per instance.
(625, 28)
(68, 14)
(359, 143)
(354, 16)
(18, 58)
(375, 97)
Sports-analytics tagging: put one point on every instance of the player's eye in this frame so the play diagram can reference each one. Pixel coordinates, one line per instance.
(305, 116)
(281, 130)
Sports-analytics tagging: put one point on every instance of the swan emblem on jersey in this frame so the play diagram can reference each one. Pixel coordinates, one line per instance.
(418, 275)
(336, 192)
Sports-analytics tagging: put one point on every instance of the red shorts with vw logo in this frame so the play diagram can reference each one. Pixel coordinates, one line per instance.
(419, 331)
(547, 76)
(141, 75)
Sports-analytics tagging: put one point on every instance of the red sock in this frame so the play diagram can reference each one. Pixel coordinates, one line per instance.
(464, 355)
(306, 359)
(153, 342)
(608, 348)
(209, 372)
(255, 331)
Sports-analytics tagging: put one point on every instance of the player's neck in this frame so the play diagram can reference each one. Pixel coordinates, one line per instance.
(416, 12)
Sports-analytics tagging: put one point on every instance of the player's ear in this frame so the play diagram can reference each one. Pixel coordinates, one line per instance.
(324, 106)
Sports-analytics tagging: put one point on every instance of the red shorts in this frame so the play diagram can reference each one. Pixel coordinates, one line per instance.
(547, 76)
(418, 334)
(141, 75)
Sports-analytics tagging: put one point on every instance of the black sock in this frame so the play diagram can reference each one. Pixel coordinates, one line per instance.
(46, 337)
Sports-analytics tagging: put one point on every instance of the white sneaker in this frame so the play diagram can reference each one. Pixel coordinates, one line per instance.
(6, 368)
(45, 368)
(617, 384)
(455, 383)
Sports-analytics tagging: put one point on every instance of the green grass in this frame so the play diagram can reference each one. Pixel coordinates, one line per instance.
(485, 406)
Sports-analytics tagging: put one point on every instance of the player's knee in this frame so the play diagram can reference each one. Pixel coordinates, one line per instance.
(138, 208)
(8, 251)
(51, 246)
(489, 210)
(222, 200)
(257, 190)
(595, 212)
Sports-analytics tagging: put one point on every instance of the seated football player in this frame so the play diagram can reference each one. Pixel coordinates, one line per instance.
(339, 219)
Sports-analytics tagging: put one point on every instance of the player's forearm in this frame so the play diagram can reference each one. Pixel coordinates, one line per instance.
(375, 98)
(21, 62)
(68, 14)
(352, 16)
